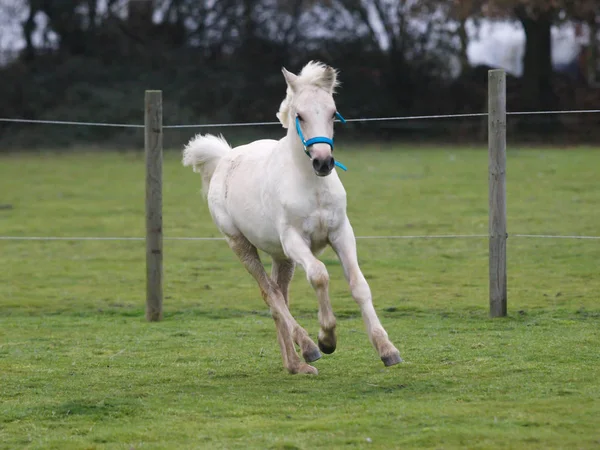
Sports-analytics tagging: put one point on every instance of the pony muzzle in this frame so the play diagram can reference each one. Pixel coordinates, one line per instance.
(323, 166)
(321, 155)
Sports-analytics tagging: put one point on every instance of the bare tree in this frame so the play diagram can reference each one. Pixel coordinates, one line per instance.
(537, 18)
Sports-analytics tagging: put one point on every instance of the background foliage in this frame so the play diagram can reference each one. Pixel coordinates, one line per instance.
(219, 61)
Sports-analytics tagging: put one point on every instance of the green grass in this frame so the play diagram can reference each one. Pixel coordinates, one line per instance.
(80, 367)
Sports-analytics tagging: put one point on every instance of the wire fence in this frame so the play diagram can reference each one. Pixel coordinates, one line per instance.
(214, 238)
(253, 124)
(256, 124)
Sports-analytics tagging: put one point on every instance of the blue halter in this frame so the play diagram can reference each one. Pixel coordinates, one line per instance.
(319, 139)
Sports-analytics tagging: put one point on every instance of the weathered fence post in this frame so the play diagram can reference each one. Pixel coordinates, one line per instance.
(497, 191)
(153, 143)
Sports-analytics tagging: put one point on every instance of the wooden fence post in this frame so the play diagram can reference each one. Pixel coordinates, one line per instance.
(153, 143)
(497, 191)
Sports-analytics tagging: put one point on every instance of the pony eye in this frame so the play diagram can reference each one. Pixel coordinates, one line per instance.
(300, 117)
(334, 115)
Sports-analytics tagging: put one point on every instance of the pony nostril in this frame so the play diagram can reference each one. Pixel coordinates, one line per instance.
(331, 163)
(316, 164)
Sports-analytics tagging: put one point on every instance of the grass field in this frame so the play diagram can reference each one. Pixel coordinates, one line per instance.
(80, 367)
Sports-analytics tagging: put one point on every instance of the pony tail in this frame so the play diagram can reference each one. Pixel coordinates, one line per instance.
(203, 153)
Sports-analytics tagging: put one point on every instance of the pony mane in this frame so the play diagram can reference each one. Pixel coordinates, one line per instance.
(315, 74)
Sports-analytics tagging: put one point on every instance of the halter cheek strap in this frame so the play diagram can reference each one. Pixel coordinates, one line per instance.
(318, 139)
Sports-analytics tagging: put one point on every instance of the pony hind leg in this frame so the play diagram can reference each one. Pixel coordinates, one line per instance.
(316, 273)
(274, 299)
(282, 274)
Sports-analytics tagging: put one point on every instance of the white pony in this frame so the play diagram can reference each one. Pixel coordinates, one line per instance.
(269, 195)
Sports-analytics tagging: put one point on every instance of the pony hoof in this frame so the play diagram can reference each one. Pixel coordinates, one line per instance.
(312, 355)
(327, 349)
(391, 360)
(327, 341)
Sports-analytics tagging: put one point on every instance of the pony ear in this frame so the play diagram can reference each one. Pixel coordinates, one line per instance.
(290, 78)
(329, 80)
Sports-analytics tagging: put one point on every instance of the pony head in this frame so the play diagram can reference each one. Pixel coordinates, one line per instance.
(309, 99)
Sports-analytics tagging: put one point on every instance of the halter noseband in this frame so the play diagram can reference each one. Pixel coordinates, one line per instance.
(318, 139)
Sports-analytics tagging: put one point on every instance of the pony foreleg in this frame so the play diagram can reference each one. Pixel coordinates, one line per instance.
(298, 250)
(344, 244)
(282, 274)
(274, 299)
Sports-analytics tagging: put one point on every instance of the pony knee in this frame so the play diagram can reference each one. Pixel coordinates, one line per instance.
(317, 275)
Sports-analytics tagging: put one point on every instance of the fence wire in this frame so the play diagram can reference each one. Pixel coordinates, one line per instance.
(211, 238)
(256, 124)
